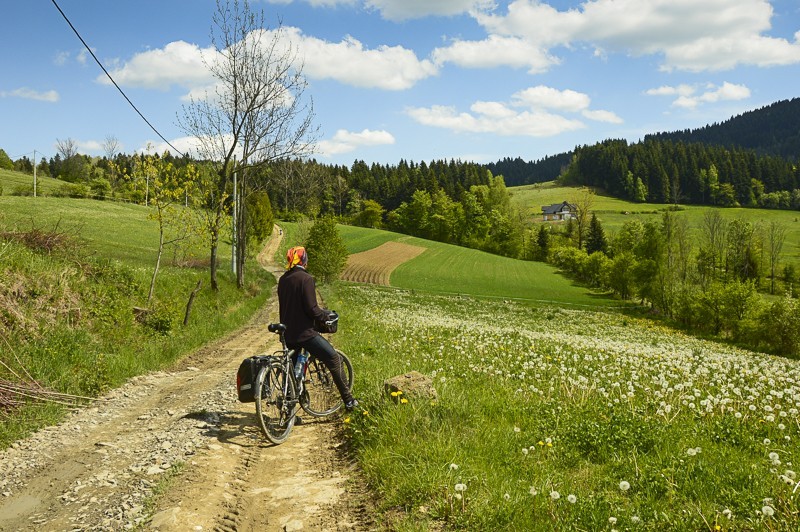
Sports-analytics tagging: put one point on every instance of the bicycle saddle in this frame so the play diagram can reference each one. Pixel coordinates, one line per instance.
(276, 327)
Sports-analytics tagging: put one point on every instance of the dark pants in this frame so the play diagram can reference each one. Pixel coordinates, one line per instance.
(322, 350)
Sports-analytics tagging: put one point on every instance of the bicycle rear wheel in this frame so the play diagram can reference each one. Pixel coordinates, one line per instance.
(274, 407)
(320, 396)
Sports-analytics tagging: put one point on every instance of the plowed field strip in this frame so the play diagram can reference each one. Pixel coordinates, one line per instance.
(376, 265)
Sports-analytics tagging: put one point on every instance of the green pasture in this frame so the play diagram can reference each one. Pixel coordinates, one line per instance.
(613, 212)
(449, 269)
(113, 230)
(11, 181)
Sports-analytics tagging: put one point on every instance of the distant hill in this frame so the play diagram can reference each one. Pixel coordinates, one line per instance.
(770, 130)
(517, 172)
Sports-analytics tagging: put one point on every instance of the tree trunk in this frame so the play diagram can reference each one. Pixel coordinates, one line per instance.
(214, 285)
(155, 270)
(191, 302)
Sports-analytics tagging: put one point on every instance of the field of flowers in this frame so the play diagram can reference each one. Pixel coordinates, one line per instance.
(566, 419)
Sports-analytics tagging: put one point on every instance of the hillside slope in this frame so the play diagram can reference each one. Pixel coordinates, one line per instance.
(770, 130)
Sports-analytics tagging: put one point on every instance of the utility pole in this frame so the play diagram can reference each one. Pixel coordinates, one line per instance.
(235, 219)
(34, 173)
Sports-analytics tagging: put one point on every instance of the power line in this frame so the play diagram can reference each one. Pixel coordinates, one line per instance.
(114, 82)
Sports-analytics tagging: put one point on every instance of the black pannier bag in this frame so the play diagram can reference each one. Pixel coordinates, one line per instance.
(246, 380)
(328, 325)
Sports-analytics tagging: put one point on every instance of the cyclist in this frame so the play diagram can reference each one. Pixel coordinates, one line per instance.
(298, 308)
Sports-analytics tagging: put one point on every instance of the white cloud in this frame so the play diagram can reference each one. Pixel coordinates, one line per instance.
(399, 10)
(61, 58)
(690, 35)
(89, 146)
(409, 9)
(83, 56)
(181, 63)
(347, 141)
(187, 145)
(348, 62)
(543, 97)
(543, 114)
(178, 63)
(496, 51)
(690, 97)
(526, 123)
(30, 94)
(602, 116)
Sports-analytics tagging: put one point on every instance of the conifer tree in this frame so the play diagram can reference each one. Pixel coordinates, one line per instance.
(596, 237)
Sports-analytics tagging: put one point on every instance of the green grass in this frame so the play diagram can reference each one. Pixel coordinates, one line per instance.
(529, 199)
(11, 181)
(68, 314)
(119, 231)
(445, 268)
(647, 429)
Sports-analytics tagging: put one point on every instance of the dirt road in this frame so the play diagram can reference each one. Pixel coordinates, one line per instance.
(181, 434)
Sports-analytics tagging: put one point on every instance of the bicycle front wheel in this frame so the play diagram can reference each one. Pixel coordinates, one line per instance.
(274, 408)
(320, 396)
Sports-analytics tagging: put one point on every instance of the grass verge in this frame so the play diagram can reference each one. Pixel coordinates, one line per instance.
(72, 315)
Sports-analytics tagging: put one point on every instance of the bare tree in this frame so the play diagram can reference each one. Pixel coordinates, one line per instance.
(110, 146)
(776, 235)
(68, 148)
(714, 231)
(583, 202)
(258, 112)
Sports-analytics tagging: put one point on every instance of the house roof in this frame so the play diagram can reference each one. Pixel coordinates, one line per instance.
(557, 207)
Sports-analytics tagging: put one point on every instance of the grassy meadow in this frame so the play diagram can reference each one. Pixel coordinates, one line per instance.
(67, 301)
(11, 182)
(611, 212)
(564, 419)
(445, 268)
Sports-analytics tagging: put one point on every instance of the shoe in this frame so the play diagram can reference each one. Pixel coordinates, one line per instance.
(351, 405)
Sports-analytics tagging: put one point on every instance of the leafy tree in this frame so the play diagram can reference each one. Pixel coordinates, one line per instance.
(620, 277)
(167, 191)
(327, 253)
(260, 218)
(370, 215)
(43, 169)
(24, 165)
(5, 161)
(100, 187)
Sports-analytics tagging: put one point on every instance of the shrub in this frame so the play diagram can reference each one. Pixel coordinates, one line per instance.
(327, 254)
(72, 190)
(100, 188)
(780, 325)
(22, 190)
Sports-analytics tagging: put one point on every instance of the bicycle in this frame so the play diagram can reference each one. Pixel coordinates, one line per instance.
(278, 392)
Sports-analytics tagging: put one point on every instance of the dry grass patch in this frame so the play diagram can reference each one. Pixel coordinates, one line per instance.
(376, 265)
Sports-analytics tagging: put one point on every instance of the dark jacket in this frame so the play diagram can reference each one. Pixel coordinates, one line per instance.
(298, 305)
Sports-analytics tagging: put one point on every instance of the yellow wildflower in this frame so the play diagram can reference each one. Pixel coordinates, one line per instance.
(347, 420)
(404, 400)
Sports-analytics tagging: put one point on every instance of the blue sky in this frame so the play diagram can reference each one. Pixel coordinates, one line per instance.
(474, 80)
